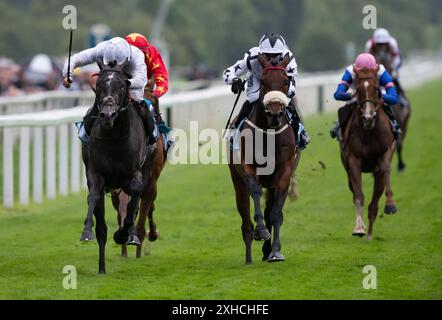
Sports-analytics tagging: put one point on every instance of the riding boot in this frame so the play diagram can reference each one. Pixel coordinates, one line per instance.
(302, 138)
(344, 114)
(395, 127)
(243, 113)
(148, 122)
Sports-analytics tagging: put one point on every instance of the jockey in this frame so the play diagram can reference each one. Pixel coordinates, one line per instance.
(114, 51)
(155, 68)
(382, 43)
(389, 94)
(271, 45)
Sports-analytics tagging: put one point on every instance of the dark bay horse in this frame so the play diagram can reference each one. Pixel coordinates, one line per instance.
(120, 200)
(368, 146)
(114, 157)
(402, 110)
(266, 119)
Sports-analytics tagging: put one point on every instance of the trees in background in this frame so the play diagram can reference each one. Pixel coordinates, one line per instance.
(219, 32)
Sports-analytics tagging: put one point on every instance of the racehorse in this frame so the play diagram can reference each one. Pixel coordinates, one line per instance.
(368, 146)
(120, 200)
(115, 157)
(266, 118)
(402, 110)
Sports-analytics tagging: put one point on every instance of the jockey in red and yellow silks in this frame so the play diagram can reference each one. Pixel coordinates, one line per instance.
(154, 63)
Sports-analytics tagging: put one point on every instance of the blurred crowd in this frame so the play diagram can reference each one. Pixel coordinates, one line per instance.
(40, 73)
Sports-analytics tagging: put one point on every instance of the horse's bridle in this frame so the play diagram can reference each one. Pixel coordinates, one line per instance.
(268, 69)
(120, 108)
(375, 103)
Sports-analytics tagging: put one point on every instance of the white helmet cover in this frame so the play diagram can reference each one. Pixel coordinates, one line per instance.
(272, 43)
(116, 50)
(381, 35)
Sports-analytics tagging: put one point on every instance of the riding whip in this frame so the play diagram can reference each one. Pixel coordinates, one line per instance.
(69, 57)
(231, 113)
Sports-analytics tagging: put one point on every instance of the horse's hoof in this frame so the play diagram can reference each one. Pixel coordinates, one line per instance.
(401, 167)
(275, 256)
(133, 240)
(119, 239)
(369, 237)
(261, 234)
(265, 257)
(390, 209)
(87, 235)
(153, 236)
(358, 232)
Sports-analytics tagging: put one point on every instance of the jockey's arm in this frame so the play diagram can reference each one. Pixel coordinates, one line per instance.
(386, 81)
(138, 70)
(292, 72)
(160, 74)
(341, 93)
(83, 58)
(236, 71)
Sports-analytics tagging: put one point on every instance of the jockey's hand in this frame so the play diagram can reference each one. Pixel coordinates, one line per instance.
(67, 82)
(237, 85)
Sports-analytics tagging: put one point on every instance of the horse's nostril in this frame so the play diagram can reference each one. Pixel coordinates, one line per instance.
(113, 114)
(102, 115)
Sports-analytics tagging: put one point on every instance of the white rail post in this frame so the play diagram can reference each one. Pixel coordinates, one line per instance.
(8, 168)
(37, 167)
(24, 166)
(50, 162)
(63, 165)
(75, 160)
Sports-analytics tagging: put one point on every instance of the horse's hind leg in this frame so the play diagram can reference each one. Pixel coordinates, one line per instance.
(401, 165)
(96, 186)
(390, 205)
(378, 189)
(267, 246)
(120, 201)
(243, 205)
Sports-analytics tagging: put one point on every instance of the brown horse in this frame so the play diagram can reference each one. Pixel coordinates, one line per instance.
(120, 199)
(368, 146)
(247, 178)
(401, 110)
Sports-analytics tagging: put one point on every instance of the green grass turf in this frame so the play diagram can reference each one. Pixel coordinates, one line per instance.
(200, 253)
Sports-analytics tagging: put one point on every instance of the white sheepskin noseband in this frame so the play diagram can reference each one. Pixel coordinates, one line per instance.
(275, 96)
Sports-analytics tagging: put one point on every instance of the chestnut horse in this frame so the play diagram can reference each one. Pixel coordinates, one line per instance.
(401, 110)
(368, 146)
(266, 119)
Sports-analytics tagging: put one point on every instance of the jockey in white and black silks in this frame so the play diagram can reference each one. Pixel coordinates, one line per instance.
(271, 45)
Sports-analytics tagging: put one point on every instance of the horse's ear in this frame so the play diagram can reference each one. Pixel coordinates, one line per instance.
(286, 60)
(100, 63)
(262, 60)
(128, 83)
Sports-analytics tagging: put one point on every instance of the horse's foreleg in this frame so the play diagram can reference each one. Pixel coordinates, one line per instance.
(276, 216)
(355, 177)
(378, 189)
(267, 246)
(96, 184)
(101, 232)
(261, 232)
